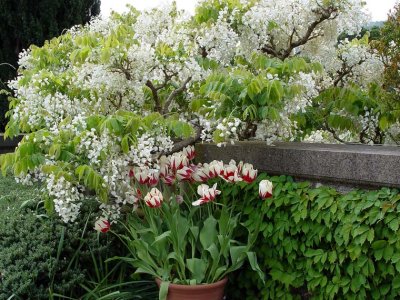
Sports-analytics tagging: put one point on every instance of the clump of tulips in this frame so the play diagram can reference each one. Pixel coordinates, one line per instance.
(181, 225)
(177, 170)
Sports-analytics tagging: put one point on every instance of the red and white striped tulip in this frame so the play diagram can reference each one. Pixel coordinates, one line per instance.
(178, 161)
(189, 152)
(169, 179)
(153, 178)
(164, 166)
(249, 174)
(206, 193)
(265, 189)
(184, 174)
(200, 174)
(230, 173)
(142, 175)
(215, 168)
(102, 225)
(153, 198)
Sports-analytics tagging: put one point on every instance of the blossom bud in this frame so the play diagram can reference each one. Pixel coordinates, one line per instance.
(184, 174)
(206, 193)
(189, 152)
(164, 166)
(179, 199)
(215, 168)
(265, 189)
(200, 174)
(169, 180)
(178, 161)
(102, 225)
(153, 198)
(142, 176)
(153, 178)
(230, 173)
(249, 174)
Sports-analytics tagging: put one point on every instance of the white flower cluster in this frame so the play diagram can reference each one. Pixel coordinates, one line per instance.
(228, 130)
(67, 198)
(219, 40)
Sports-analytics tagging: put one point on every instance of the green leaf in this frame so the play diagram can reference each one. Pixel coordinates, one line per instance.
(254, 265)
(208, 234)
(197, 268)
(163, 292)
(238, 253)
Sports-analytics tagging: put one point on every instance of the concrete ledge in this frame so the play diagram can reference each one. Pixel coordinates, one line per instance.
(8, 145)
(355, 165)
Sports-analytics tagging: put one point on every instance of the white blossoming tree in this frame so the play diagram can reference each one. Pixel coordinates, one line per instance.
(121, 92)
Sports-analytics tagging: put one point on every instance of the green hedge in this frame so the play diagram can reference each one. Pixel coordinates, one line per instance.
(39, 255)
(316, 243)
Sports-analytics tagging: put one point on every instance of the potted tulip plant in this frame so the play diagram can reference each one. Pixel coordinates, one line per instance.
(180, 233)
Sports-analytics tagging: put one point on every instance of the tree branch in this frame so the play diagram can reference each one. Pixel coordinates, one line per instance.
(154, 92)
(326, 14)
(175, 93)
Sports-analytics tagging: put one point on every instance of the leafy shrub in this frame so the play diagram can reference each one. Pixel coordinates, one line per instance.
(39, 255)
(316, 243)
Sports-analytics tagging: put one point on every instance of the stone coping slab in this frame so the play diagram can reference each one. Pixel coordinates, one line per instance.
(355, 165)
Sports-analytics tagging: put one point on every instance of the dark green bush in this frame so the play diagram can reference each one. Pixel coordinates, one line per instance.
(39, 255)
(316, 243)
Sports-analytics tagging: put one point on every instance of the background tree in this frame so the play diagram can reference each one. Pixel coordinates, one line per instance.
(26, 22)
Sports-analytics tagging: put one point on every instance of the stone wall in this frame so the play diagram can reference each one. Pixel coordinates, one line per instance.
(8, 145)
(343, 166)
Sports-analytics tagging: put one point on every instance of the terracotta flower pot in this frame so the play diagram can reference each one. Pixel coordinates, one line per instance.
(212, 291)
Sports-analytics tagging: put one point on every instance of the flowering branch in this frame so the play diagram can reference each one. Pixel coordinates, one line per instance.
(326, 14)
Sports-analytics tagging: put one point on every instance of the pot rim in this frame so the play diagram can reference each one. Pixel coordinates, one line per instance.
(201, 286)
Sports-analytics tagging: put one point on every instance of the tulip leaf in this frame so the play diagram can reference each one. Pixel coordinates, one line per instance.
(197, 268)
(162, 237)
(254, 265)
(163, 290)
(208, 233)
(238, 253)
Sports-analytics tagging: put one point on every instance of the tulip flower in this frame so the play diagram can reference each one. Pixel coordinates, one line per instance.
(178, 161)
(230, 173)
(200, 174)
(131, 173)
(206, 193)
(102, 225)
(189, 152)
(249, 174)
(164, 166)
(265, 189)
(179, 199)
(153, 178)
(169, 179)
(139, 193)
(184, 174)
(142, 176)
(215, 168)
(153, 198)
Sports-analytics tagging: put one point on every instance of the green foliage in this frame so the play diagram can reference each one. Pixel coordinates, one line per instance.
(340, 109)
(187, 246)
(256, 91)
(39, 255)
(319, 244)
